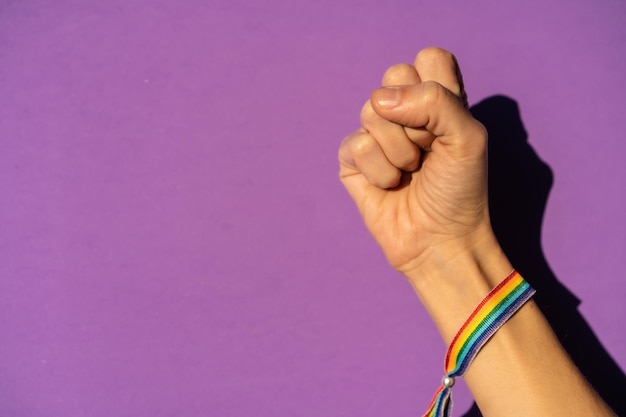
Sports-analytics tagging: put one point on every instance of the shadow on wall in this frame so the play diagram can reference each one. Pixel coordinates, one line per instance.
(519, 184)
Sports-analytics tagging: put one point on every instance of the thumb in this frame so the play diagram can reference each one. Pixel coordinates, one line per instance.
(433, 107)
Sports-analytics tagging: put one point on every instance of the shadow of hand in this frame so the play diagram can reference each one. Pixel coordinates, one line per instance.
(519, 185)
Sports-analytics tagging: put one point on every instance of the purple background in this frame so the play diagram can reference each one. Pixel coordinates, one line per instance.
(173, 237)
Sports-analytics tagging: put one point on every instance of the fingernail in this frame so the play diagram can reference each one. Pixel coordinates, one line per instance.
(387, 97)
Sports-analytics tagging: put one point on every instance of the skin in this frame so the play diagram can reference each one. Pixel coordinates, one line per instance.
(416, 170)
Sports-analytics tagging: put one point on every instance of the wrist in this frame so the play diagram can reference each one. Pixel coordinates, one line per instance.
(456, 276)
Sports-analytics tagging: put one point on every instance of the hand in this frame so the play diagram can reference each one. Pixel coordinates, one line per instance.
(417, 167)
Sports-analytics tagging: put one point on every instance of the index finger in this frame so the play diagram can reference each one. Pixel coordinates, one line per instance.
(441, 66)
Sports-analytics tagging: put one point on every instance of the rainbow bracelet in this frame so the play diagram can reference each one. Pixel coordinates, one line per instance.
(495, 309)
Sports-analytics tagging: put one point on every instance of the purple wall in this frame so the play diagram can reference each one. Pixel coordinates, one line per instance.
(173, 237)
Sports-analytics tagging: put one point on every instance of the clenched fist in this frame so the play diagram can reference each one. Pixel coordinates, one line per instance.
(416, 168)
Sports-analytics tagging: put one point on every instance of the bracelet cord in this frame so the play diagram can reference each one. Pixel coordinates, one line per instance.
(492, 312)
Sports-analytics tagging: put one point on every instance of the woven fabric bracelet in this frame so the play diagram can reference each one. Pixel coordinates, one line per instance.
(493, 311)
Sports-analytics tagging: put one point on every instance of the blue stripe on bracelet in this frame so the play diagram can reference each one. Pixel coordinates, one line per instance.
(503, 311)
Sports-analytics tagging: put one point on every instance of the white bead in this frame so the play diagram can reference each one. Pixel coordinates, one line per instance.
(447, 381)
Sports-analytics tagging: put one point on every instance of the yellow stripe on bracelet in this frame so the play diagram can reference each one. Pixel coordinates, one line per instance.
(493, 311)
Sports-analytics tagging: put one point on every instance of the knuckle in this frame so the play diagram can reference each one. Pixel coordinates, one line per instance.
(399, 74)
(363, 146)
(481, 130)
(434, 53)
(431, 92)
(368, 115)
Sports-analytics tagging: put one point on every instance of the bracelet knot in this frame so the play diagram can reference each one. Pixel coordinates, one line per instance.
(447, 381)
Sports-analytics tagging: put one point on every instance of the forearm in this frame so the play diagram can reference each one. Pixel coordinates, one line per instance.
(522, 370)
